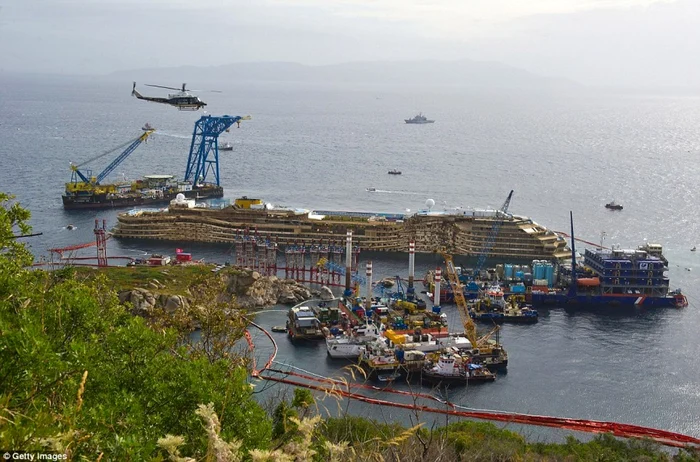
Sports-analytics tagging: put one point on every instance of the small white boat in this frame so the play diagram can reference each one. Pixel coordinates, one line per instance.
(226, 147)
(388, 377)
(693, 249)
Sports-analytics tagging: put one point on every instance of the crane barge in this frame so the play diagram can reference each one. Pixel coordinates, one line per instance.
(86, 191)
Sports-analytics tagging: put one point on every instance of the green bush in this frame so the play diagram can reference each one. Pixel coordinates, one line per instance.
(78, 373)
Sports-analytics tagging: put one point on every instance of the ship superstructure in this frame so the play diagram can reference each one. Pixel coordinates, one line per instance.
(460, 232)
(629, 271)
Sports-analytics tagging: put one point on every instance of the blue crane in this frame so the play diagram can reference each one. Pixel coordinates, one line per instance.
(501, 215)
(204, 149)
(87, 177)
(340, 269)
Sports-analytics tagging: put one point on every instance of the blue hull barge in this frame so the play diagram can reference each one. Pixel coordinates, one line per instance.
(613, 278)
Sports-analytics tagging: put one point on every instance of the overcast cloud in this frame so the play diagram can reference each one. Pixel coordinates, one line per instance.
(600, 42)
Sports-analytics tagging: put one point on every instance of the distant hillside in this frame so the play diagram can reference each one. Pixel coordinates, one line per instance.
(464, 73)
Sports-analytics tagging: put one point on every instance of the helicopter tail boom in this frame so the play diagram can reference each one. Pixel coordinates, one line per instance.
(134, 92)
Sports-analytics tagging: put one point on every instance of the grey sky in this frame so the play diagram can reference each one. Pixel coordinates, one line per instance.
(602, 42)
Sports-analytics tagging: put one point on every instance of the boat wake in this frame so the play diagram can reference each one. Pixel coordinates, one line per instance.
(386, 191)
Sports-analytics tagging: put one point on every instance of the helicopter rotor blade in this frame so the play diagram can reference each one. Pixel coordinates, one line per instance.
(163, 86)
(207, 91)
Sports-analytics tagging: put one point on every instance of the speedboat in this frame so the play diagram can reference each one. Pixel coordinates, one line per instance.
(371, 190)
(394, 172)
(226, 147)
(613, 206)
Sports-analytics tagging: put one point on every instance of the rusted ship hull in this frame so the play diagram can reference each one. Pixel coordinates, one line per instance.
(519, 237)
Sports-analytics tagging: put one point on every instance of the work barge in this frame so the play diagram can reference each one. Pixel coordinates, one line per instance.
(458, 232)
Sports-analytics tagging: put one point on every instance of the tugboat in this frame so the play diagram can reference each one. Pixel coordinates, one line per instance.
(419, 119)
(394, 172)
(494, 308)
(613, 206)
(515, 311)
(454, 368)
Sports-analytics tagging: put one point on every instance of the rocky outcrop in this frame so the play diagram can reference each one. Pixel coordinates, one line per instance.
(248, 289)
(142, 301)
(253, 290)
(326, 294)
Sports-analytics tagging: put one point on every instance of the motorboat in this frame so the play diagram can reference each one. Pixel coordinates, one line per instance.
(226, 147)
(613, 206)
(419, 119)
(371, 190)
(388, 377)
(693, 249)
(394, 172)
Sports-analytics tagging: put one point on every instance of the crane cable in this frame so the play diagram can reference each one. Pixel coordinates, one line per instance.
(108, 152)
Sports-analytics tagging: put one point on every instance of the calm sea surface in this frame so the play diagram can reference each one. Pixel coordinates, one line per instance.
(321, 147)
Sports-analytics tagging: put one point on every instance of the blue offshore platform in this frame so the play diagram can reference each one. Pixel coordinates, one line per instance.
(613, 278)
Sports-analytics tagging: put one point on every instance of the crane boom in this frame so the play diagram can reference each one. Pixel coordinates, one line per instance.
(132, 145)
(458, 291)
(493, 234)
(124, 155)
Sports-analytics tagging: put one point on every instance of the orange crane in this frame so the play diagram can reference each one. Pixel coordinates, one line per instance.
(485, 347)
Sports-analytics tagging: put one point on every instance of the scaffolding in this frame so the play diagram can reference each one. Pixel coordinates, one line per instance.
(320, 262)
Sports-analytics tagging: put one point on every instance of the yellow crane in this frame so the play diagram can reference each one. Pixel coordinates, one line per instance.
(483, 344)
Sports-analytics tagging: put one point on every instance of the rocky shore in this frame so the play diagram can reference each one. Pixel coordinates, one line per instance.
(245, 288)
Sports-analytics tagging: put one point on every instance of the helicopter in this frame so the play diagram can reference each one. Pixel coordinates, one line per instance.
(183, 100)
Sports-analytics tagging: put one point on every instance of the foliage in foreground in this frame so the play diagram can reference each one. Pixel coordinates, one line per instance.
(79, 374)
